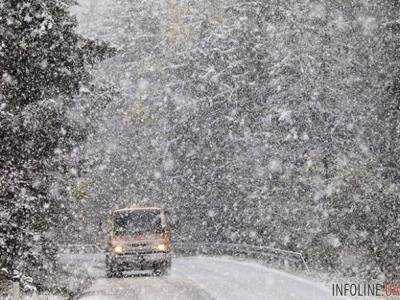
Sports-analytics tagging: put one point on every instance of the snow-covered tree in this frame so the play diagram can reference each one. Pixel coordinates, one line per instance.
(287, 88)
(42, 66)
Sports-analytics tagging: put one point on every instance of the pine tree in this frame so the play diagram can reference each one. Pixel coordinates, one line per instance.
(290, 88)
(42, 66)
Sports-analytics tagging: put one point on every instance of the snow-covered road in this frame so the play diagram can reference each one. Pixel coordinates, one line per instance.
(205, 278)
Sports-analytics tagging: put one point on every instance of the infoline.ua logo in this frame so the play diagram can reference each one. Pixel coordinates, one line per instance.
(366, 289)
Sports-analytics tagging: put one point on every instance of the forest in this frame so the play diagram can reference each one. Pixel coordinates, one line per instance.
(263, 122)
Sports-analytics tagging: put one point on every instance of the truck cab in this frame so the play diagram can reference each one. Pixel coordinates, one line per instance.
(139, 238)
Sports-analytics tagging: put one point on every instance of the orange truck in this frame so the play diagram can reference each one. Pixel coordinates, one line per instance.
(139, 239)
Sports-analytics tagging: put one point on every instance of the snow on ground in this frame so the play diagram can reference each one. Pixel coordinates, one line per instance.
(202, 278)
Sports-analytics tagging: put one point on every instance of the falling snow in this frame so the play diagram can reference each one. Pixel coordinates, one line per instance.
(271, 124)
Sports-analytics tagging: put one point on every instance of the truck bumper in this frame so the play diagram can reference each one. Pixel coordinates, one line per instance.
(137, 261)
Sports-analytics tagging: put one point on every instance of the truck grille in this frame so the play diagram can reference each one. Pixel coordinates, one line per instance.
(139, 248)
(135, 245)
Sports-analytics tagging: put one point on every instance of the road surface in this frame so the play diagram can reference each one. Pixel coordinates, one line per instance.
(201, 278)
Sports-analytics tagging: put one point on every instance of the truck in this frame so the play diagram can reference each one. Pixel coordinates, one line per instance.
(139, 238)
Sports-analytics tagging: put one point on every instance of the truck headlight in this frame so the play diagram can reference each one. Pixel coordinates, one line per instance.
(161, 247)
(118, 249)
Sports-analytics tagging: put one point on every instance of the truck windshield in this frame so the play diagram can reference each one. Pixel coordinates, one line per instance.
(137, 222)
